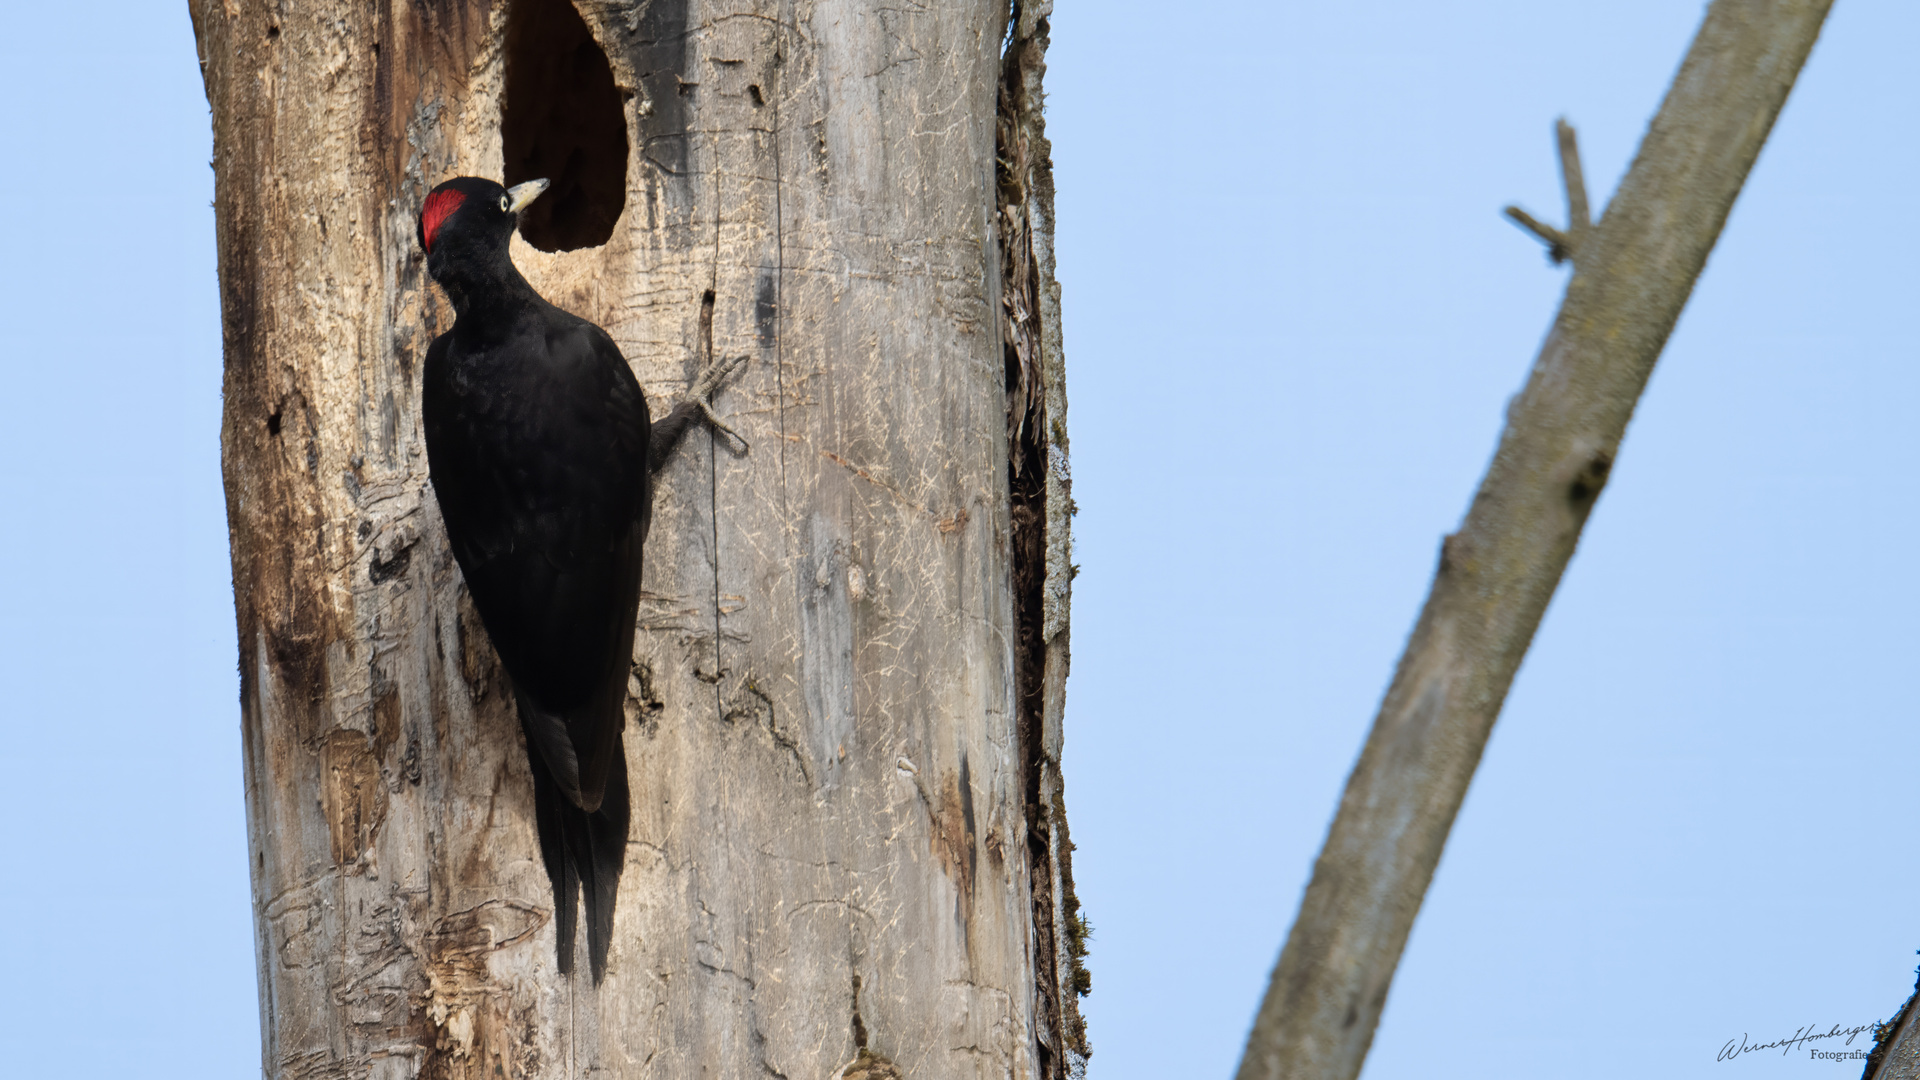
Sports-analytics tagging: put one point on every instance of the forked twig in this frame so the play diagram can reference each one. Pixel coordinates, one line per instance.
(1562, 246)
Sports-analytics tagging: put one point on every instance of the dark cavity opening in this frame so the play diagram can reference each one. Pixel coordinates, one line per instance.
(562, 121)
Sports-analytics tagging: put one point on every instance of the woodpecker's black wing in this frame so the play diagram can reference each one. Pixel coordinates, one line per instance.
(537, 444)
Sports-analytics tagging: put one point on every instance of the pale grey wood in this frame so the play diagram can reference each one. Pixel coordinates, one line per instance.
(1633, 271)
(831, 835)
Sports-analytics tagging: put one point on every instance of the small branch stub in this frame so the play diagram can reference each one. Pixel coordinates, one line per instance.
(1562, 246)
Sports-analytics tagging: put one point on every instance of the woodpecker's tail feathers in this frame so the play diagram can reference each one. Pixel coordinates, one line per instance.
(584, 853)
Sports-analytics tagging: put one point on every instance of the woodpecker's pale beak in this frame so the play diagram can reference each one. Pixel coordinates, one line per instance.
(519, 195)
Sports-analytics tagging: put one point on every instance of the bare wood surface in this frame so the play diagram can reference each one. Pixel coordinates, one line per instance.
(831, 849)
(1633, 272)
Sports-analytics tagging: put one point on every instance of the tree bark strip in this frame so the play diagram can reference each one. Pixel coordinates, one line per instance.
(832, 846)
(1041, 488)
(1633, 272)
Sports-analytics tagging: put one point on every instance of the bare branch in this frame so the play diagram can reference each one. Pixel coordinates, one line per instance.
(1632, 277)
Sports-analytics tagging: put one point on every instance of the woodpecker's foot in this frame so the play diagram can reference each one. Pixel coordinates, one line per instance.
(706, 384)
(714, 376)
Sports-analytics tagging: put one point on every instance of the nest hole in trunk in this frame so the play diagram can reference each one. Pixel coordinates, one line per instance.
(562, 120)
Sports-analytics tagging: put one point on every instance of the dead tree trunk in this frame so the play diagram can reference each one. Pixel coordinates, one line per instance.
(1633, 272)
(844, 708)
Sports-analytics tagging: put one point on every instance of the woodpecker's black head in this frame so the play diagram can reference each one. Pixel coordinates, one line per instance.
(464, 228)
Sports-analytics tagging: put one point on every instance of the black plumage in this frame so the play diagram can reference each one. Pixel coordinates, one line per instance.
(541, 453)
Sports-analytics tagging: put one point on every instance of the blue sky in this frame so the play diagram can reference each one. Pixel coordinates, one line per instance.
(1293, 319)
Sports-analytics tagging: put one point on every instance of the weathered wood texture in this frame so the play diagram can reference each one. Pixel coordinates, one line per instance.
(1633, 272)
(836, 838)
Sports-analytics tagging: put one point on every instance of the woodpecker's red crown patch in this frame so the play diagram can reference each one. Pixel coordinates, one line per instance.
(440, 205)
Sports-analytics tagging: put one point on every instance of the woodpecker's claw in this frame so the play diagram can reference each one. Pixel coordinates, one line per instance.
(718, 425)
(706, 384)
(710, 380)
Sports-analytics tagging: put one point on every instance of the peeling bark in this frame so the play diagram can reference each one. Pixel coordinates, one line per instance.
(848, 842)
(1633, 272)
(1040, 483)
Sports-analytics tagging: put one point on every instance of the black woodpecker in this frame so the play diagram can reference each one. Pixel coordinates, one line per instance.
(542, 456)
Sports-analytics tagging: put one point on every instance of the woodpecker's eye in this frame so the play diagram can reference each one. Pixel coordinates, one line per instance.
(504, 204)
